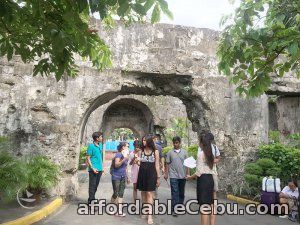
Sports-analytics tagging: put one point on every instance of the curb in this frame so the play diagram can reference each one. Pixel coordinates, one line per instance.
(241, 200)
(37, 215)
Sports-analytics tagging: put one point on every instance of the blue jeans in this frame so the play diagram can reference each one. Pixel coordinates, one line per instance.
(177, 191)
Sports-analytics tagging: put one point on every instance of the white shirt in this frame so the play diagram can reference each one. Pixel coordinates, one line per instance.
(287, 191)
(215, 151)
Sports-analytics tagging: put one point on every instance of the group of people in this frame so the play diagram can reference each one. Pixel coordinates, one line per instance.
(149, 164)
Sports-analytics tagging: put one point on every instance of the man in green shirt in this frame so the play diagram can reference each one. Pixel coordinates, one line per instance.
(94, 159)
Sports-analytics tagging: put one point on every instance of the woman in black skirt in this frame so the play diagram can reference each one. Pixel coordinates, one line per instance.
(205, 183)
(148, 176)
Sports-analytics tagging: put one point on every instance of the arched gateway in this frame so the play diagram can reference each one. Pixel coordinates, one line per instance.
(128, 113)
(49, 117)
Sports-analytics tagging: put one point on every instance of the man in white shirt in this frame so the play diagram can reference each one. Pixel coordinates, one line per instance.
(289, 195)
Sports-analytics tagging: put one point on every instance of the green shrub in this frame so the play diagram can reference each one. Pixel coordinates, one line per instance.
(287, 158)
(193, 150)
(294, 140)
(253, 180)
(12, 176)
(274, 172)
(82, 155)
(266, 164)
(253, 168)
(274, 136)
(275, 159)
(41, 172)
(167, 149)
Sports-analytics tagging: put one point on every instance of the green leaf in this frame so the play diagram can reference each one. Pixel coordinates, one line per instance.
(123, 7)
(294, 49)
(139, 9)
(112, 2)
(148, 5)
(164, 7)
(10, 51)
(82, 5)
(155, 14)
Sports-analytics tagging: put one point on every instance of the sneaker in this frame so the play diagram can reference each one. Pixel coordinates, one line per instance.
(284, 217)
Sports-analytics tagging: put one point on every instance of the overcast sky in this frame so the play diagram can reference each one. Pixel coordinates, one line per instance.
(199, 13)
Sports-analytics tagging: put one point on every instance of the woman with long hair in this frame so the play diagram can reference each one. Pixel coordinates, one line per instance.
(119, 175)
(205, 182)
(149, 175)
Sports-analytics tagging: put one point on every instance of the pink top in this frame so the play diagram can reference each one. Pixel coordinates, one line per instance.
(134, 169)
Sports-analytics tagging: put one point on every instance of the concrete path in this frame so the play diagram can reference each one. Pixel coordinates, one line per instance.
(67, 215)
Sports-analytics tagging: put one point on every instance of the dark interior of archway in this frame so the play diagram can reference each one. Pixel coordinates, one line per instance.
(130, 113)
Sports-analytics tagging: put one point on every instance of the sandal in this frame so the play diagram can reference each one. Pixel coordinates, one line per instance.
(150, 221)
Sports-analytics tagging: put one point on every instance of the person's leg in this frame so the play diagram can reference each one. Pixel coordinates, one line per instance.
(204, 219)
(97, 181)
(181, 190)
(99, 174)
(174, 192)
(216, 186)
(134, 193)
(115, 184)
(121, 194)
(213, 215)
(291, 204)
(144, 200)
(149, 196)
(92, 186)
(284, 201)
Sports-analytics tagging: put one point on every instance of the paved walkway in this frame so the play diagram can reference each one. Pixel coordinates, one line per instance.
(68, 213)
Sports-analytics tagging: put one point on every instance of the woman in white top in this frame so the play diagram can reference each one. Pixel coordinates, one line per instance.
(205, 182)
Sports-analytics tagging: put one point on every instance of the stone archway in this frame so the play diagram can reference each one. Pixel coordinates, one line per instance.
(50, 116)
(129, 113)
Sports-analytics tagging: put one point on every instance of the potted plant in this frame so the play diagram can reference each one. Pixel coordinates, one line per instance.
(41, 175)
(12, 176)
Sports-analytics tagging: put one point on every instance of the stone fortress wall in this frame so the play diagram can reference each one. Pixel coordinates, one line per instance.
(165, 61)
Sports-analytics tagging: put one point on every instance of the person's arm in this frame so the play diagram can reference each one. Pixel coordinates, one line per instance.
(167, 168)
(187, 169)
(162, 162)
(217, 159)
(157, 167)
(138, 159)
(127, 175)
(132, 159)
(283, 194)
(88, 159)
(166, 174)
(188, 177)
(119, 161)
